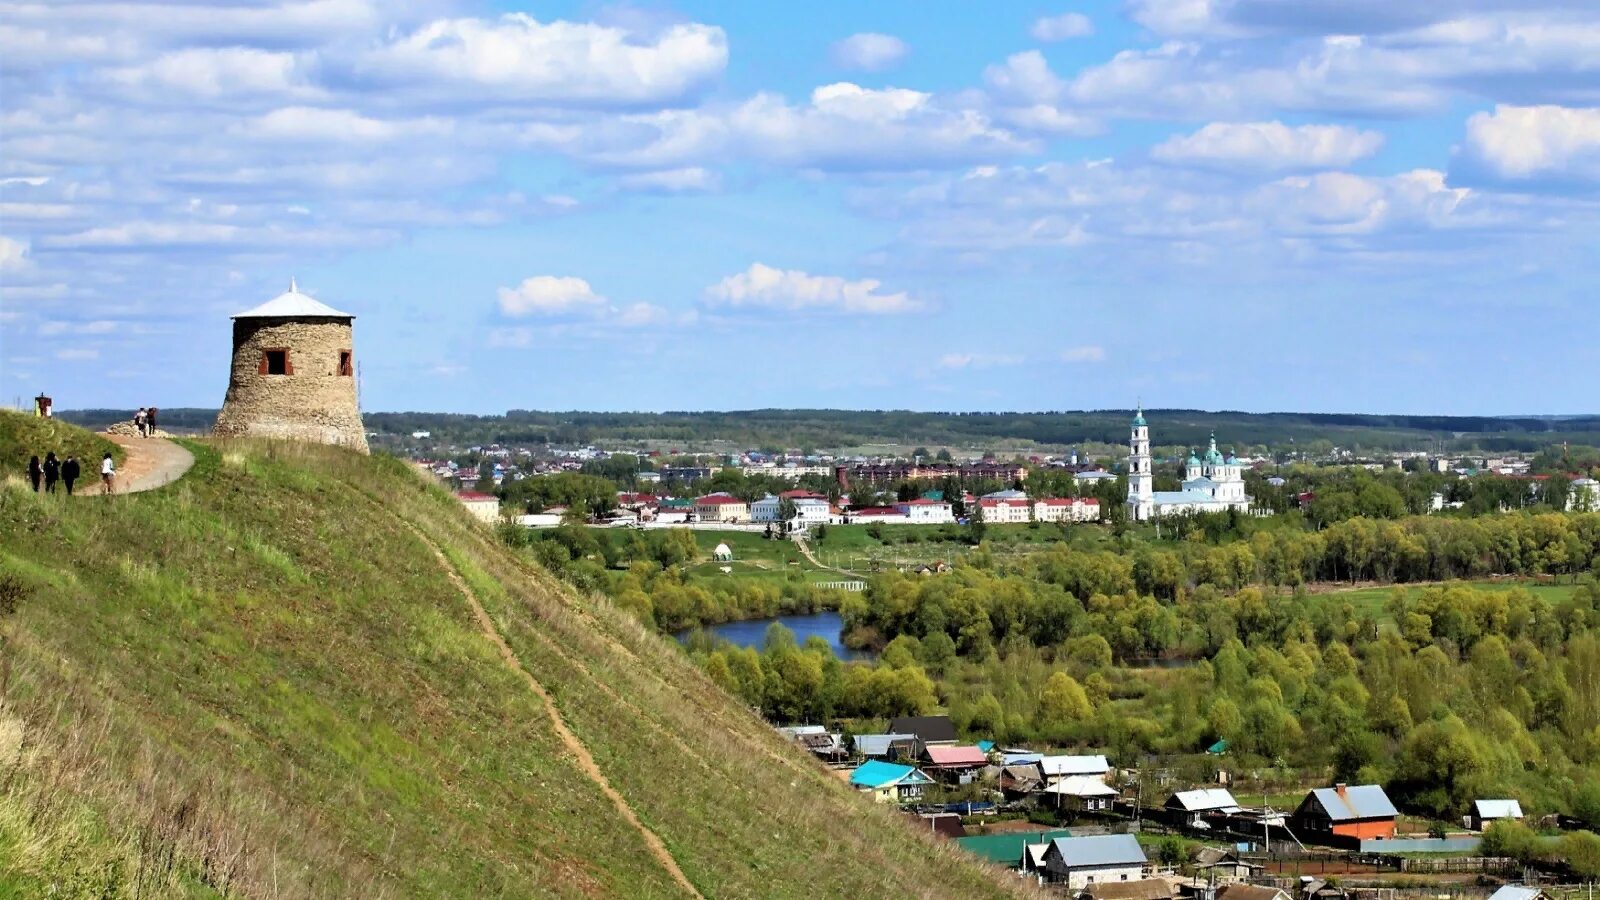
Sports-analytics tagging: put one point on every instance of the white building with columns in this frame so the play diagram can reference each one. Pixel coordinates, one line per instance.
(1213, 483)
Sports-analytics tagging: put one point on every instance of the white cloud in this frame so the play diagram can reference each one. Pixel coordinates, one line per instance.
(1087, 353)
(1062, 27)
(764, 287)
(209, 73)
(1269, 146)
(518, 59)
(317, 124)
(979, 360)
(567, 297)
(13, 255)
(1025, 94)
(97, 326)
(692, 179)
(1521, 143)
(843, 127)
(77, 354)
(145, 234)
(869, 51)
(550, 295)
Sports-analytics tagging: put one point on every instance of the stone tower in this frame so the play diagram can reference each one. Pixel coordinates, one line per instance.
(293, 374)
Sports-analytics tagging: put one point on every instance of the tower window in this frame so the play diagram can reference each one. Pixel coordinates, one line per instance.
(276, 362)
(344, 362)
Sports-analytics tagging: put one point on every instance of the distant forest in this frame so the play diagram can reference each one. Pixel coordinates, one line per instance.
(829, 428)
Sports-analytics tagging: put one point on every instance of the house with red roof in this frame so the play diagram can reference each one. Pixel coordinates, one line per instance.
(721, 508)
(1067, 509)
(870, 514)
(1006, 511)
(923, 511)
(956, 764)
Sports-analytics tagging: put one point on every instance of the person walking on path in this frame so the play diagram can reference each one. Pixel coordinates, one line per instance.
(138, 422)
(70, 470)
(108, 474)
(150, 422)
(35, 472)
(52, 472)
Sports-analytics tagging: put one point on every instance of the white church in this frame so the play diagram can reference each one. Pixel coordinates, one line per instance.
(1210, 484)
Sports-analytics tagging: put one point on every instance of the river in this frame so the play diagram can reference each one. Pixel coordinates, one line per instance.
(753, 632)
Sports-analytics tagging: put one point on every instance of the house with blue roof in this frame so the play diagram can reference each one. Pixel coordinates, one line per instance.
(890, 782)
(1079, 862)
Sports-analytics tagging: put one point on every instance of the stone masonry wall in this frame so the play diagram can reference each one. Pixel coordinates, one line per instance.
(315, 403)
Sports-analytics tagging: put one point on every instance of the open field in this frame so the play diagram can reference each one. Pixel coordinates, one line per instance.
(1372, 600)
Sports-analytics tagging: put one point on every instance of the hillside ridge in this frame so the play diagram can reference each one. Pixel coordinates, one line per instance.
(262, 680)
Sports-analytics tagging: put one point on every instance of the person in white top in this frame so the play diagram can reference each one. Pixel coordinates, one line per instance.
(108, 474)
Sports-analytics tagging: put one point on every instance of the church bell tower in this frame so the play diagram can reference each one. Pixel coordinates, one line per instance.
(1141, 484)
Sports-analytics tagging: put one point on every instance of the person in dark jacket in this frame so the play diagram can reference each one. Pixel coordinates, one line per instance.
(70, 470)
(52, 472)
(35, 472)
(150, 422)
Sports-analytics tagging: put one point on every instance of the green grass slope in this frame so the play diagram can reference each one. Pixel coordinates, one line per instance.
(23, 435)
(262, 680)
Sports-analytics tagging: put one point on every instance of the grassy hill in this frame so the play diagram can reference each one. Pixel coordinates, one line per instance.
(23, 435)
(300, 672)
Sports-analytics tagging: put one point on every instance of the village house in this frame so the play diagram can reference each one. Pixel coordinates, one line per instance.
(1019, 781)
(824, 744)
(1519, 892)
(1143, 889)
(1052, 769)
(1223, 864)
(1067, 509)
(721, 508)
(1361, 811)
(1486, 812)
(886, 746)
(931, 731)
(890, 782)
(1239, 891)
(1078, 862)
(483, 507)
(869, 515)
(1190, 808)
(954, 764)
(923, 511)
(1006, 511)
(1082, 793)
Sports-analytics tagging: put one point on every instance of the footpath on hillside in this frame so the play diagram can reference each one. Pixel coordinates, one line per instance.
(147, 463)
(805, 550)
(574, 745)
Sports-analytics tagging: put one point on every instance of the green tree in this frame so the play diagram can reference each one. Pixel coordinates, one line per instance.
(1064, 700)
(1581, 852)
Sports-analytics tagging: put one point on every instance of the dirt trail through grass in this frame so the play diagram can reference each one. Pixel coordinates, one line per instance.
(805, 550)
(570, 740)
(150, 463)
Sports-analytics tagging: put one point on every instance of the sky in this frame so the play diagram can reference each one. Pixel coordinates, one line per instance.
(1301, 205)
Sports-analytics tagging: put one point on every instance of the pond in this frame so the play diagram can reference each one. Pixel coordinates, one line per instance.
(753, 632)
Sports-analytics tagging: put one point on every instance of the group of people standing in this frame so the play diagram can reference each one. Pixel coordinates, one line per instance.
(145, 421)
(52, 470)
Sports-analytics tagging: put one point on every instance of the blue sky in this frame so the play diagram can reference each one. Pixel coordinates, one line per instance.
(1324, 205)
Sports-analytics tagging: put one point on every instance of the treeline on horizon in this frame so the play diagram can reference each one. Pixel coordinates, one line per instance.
(830, 428)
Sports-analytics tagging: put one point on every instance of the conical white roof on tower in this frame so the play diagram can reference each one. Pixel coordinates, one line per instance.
(292, 304)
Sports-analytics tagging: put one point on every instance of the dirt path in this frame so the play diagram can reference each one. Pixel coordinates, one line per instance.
(805, 550)
(148, 463)
(574, 746)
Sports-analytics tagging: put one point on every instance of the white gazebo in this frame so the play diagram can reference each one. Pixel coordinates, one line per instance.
(723, 553)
